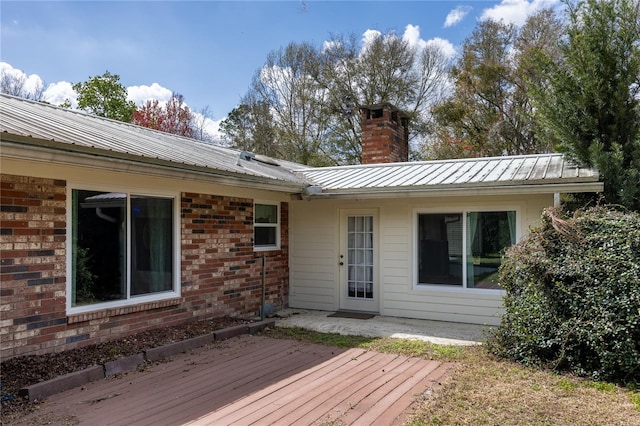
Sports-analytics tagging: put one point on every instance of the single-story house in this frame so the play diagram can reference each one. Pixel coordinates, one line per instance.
(109, 229)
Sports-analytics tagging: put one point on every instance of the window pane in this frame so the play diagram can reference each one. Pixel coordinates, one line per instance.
(265, 230)
(99, 253)
(440, 249)
(489, 234)
(266, 213)
(265, 236)
(151, 245)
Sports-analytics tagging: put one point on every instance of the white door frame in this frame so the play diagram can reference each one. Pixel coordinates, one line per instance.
(363, 300)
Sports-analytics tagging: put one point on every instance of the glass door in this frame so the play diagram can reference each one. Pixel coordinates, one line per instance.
(358, 289)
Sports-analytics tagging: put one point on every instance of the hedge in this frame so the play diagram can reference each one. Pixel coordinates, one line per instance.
(573, 295)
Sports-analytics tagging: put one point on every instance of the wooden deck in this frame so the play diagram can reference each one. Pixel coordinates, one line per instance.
(253, 380)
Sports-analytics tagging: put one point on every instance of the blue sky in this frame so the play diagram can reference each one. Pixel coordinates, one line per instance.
(209, 50)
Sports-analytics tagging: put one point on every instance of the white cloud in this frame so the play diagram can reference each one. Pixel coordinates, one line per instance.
(368, 37)
(516, 11)
(412, 36)
(456, 15)
(445, 46)
(58, 93)
(32, 83)
(327, 46)
(211, 127)
(141, 94)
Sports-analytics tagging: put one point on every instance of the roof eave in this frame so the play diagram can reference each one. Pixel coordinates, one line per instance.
(459, 191)
(27, 148)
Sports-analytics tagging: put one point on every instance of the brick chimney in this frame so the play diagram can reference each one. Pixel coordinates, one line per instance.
(385, 134)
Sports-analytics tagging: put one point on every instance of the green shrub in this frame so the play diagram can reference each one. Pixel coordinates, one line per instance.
(573, 296)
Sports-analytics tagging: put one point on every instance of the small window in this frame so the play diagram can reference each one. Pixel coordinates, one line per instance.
(266, 226)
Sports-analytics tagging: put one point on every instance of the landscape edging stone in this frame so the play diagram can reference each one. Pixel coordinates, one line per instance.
(97, 372)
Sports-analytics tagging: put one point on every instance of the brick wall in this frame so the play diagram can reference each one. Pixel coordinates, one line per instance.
(220, 271)
(32, 264)
(221, 275)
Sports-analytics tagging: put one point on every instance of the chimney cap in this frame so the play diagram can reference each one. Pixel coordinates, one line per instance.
(384, 105)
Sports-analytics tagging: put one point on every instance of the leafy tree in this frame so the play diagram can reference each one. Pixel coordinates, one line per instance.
(249, 127)
(591, 105)
(490, 111)
(173, 117)
(104, 96)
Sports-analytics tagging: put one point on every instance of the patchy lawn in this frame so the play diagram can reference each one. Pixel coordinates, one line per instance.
(485, 390)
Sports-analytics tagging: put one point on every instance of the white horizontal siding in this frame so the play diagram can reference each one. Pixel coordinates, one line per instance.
(314, 236)
(312, 257)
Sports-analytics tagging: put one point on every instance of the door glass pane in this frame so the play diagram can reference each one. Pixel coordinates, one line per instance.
(360, 257)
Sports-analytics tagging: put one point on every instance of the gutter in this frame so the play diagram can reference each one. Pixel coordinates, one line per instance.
(409, 192)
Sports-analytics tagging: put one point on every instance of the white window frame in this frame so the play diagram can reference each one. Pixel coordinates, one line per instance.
(416, 285)
(276, 225)
(135, 299)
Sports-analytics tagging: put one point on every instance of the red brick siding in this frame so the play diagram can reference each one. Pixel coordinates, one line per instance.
(220, 271)
(221, 275)
(32, 264)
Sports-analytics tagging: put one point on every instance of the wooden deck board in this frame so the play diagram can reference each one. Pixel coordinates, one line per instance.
(253, 380)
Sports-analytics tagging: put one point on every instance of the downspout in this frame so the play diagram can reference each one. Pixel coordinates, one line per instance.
(264, 273)
(105, 216)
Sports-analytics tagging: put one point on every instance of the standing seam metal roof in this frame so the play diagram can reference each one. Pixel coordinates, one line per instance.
(513, 170)
(43, 125)
(76, 131)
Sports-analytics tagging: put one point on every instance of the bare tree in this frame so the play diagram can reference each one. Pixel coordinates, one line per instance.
(14, 82)
(199, 123)
(313, 94)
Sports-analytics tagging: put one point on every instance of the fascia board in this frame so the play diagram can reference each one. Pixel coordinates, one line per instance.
(150, 168)
(461, 191)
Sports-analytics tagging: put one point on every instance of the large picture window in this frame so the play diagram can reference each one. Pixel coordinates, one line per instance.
(266, 226)
(123, 246)
(463, 249)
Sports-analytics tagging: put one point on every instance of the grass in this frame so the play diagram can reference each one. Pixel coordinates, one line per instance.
(484, 390)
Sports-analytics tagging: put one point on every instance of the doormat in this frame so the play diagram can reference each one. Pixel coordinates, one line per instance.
(353, 315)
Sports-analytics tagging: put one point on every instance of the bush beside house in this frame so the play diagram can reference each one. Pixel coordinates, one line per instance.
(573, 296)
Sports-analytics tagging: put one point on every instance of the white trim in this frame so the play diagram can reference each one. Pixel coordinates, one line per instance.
(456, 191)
(277, 226)
(456, 209)
(130, 300)
(367, 305)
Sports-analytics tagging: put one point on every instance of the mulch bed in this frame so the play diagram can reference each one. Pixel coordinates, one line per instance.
(18, 372)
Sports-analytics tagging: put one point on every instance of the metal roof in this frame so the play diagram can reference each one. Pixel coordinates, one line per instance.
(509, 174)
(71, 131)
(42, 127)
